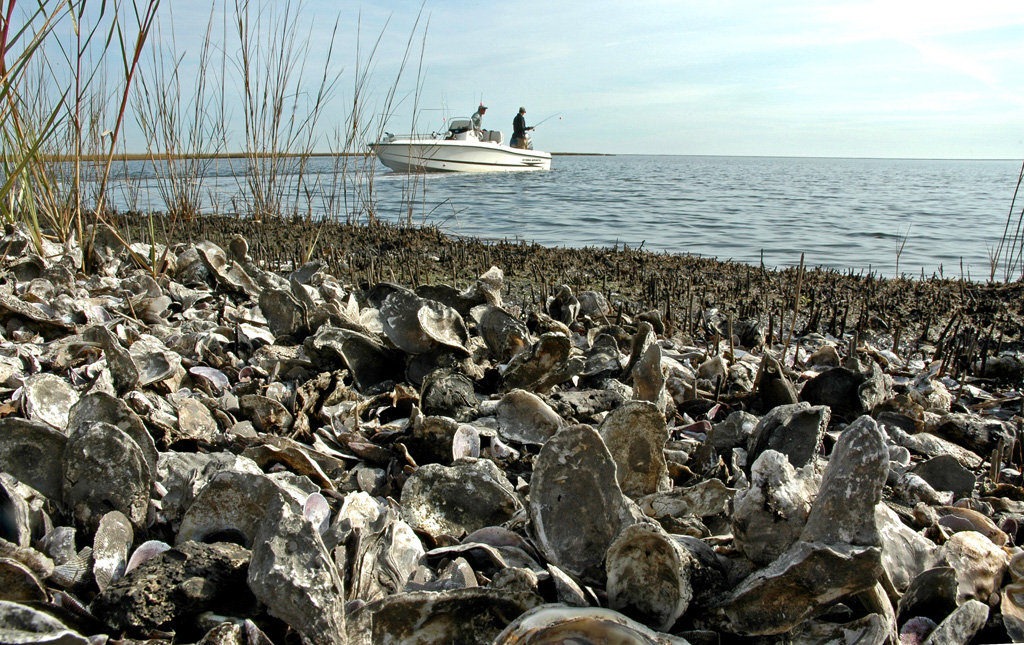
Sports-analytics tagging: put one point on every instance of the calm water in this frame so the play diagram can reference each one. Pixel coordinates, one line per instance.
(841, 213)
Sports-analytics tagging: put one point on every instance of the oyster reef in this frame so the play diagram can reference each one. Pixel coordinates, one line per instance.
(219, 452)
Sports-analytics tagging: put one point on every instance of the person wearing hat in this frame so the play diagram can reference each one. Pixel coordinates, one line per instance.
(477, 120)
(519, 130)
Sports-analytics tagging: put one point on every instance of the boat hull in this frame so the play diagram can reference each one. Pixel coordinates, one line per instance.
(443, 155)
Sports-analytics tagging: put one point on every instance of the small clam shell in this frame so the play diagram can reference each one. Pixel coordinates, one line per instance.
(110, 547)
(145, 551)
(465, 442)
(73, 571)
(317, 511)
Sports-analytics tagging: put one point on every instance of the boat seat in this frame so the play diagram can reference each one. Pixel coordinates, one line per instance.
(495, 136)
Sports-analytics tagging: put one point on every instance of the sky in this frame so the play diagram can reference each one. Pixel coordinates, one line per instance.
(848, 78)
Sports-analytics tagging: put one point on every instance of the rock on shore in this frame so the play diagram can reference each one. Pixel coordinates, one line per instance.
(216, 452)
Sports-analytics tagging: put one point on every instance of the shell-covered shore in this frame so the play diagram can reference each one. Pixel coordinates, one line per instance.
(296, 432)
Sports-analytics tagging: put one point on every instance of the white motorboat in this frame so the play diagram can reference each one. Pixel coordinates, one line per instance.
(457, 150)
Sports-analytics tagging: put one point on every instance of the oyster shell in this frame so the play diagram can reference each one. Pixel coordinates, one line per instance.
(476, 614)
(458, 499)
(574, 476)
(524, 418)
(229, 508)
(502, 333)
(418, 326)
(27, 450)
(105, 469)
(635, 435)
(25, 625)
(48, 398)
(114, 537)
(561, 624)
(649, 576)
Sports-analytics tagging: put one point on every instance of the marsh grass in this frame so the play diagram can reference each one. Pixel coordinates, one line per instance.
(75, 71)
(57, 132)
(177, 115)
(280, 112)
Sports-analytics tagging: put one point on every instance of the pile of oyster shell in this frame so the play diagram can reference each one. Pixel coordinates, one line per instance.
(219, 453)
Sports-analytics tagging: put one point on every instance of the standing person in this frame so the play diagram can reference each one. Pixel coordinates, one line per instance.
(519, 130)
(477, 120)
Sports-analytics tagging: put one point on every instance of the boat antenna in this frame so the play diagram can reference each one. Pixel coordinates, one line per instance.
(558, 114)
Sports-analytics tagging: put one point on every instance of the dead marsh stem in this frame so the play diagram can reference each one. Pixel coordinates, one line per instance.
(1010, 250)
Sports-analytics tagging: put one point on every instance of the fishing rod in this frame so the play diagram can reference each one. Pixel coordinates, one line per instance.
(558, 114)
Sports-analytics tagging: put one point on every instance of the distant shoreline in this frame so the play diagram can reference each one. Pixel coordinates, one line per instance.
(142, 156)
(134, 156)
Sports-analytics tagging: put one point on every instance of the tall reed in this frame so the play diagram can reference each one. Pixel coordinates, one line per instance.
(177, 113)
(279, 112)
